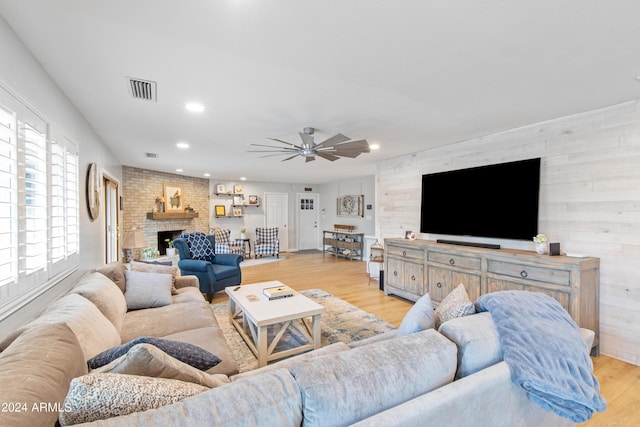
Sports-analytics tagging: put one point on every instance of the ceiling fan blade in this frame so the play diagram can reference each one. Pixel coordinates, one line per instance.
(335, 139)
(274, 146)
(360, 144)
(284, 142)
(309, 159)
(306, 138)
(326, 156)
(276, 150)
(289, 158)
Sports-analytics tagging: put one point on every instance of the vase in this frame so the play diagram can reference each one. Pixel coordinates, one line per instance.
(541, 248)
(243, 236)
(171, 251)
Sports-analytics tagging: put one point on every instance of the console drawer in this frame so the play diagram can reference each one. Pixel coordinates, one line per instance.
(405, 252)
(454, 260)
(539, 274)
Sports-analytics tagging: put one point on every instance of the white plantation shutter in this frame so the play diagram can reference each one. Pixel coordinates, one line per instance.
(39, 205)
(8, 201)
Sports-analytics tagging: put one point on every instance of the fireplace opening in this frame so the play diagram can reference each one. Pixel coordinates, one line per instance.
(164, 235)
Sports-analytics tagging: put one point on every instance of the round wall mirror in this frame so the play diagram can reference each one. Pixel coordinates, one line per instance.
(93, 191)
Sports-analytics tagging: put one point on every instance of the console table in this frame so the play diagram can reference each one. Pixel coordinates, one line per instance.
(415, 267)
(343, 243)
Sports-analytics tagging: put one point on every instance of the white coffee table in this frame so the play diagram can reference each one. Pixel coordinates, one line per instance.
(252, 313)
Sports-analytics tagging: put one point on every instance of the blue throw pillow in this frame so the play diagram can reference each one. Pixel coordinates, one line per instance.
(420, 317)
(184, 352)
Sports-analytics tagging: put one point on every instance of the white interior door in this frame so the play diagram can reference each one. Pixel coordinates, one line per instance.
(111, 220)
(307, 213)
(276, 208)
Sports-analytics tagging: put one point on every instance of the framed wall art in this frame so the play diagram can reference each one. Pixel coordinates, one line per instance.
(173, 198)
(350, 206)
(221, 210)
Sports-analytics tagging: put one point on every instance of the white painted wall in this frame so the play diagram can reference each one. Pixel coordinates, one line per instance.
(589, 201)
(351, 187)
(24, 77)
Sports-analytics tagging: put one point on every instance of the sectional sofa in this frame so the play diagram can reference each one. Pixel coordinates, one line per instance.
(454, 376)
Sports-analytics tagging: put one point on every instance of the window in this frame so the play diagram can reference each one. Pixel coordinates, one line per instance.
(39, 213)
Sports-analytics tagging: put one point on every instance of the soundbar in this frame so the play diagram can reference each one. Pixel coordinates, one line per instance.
(474, 244)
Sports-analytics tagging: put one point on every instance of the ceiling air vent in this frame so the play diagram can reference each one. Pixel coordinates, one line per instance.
(142, 89)
(151, 155)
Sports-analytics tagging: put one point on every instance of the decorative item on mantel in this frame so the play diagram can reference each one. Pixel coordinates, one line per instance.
(541, 243)
(160, 204)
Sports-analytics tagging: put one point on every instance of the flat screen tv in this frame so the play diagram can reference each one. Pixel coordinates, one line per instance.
(496, 201)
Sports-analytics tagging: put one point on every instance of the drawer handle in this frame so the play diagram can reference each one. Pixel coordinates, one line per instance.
(395, 273)
(413, 278)
(439, 284)
(452, 261)
(523, 273)
(404, 253)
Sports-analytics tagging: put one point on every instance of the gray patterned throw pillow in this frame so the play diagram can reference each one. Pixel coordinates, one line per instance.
(456, 304)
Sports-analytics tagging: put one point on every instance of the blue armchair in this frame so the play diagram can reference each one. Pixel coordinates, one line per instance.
(197, 258)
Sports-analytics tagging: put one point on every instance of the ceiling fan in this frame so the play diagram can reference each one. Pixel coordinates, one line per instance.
(330, 149)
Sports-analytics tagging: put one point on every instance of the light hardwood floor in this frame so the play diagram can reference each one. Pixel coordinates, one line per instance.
(348, 280)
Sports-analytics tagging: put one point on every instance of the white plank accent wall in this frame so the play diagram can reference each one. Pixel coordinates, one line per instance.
(589, 201)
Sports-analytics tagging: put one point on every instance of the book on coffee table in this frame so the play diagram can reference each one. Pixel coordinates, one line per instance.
(278, 292)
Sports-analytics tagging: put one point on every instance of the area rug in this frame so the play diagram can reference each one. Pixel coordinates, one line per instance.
(341, 321)
(262, 260)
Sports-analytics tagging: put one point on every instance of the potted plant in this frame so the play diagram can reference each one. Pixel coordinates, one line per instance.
(541, 243)
(243, 232)
(171, 251)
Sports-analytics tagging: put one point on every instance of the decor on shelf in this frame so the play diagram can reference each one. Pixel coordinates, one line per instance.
(160, 204)
(237, 211)
(133, 239)
(237, 189)
(254, 200)
(238, 200)
(220, 188)
(220, 210)
(541, 243)
(174, 197)
(350, 206)
(93, 191)
(330, 149)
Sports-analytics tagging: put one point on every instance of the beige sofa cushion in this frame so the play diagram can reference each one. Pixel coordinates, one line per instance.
(188, 294)
(348, 386)
(148, 360)
(94, 331)
(146, 267)
(100, 396)
(104, 294)
(36, 370)
(115, 272)
(162, 321)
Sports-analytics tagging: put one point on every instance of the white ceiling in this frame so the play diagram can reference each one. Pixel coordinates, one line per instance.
(408, 75)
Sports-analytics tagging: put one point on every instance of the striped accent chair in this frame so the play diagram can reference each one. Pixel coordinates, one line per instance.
(224, 245)
(266, 242)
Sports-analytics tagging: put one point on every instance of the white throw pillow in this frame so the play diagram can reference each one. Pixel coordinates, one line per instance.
(456, 304)
(147, 290)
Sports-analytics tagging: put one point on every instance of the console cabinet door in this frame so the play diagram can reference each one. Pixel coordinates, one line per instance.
(414, 278)
(442, 281)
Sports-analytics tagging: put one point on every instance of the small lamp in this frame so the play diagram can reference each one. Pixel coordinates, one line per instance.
(133, 239)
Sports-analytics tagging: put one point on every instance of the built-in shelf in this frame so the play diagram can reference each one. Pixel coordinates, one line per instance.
(171, 215)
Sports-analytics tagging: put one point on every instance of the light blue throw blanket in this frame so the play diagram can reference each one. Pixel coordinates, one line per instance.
(545, 353)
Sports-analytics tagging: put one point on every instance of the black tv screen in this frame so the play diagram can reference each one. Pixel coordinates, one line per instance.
(498, 201)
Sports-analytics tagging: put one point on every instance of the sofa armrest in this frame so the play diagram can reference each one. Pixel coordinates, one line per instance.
(187, 281)
(228, 259)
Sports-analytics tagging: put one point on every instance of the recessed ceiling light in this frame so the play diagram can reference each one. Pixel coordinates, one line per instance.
(178, 170)
(194, 107)
(207, 174)
(243, 178)
(374, 146)
(182, 145)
